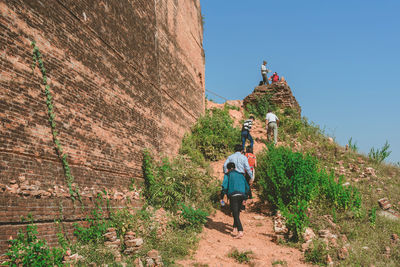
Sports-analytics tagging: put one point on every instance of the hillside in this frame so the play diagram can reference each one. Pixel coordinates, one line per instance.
(368, 237)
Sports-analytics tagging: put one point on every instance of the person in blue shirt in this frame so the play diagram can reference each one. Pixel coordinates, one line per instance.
(237, 189)
(241, 162)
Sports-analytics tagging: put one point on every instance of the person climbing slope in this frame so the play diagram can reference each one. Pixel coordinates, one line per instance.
(236, 188)
(246, 128)
(272, 122)
(252, 159)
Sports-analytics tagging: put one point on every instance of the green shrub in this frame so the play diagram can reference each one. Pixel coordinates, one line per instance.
(241, 257)
(290, 181)
(372, 216)
(195, 218)
(317, 253)
(211, 138)
(95, 227)
(260, 107)
(28, 250)
(181, 181)
(352, 145)
(379, 155)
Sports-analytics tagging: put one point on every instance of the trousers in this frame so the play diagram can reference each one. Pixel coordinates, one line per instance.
(272, 128)
(236, 203)
(246, 135)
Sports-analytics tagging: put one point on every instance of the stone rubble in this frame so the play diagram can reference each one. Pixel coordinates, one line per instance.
(384, 203)
(26, 188)
(132, 243)
(281, 95)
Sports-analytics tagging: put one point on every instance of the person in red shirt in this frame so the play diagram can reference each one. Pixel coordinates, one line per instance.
(274, 78)
(253, 164)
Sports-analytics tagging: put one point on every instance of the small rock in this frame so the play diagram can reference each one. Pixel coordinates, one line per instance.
(343, 253)
(258, 217)
(329, 260)
(13, 181)
(365, 248)
(370, 171)
(153, 254)
(346, 184)
(384, 203)
(150, 262)
(138, 263)
(308, 234)
(387, 252)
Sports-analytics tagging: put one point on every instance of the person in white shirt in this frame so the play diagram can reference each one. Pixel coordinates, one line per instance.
(264, 72)
(272, 122)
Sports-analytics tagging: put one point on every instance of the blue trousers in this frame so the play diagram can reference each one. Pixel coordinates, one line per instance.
(246, 135)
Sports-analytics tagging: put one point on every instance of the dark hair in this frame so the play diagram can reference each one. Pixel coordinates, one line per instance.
(252, 117)
(269, 110)
(231, 166)
(249, 149)
(238, 148)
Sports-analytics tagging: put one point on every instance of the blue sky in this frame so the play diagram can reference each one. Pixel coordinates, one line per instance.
(341, 59)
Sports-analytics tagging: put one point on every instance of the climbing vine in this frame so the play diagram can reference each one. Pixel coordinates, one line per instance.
(37, 61)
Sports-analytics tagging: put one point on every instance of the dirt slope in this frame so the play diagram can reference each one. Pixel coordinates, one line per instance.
(216, 240)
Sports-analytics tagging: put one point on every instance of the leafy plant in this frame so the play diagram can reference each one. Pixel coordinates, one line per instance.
(37, 60)
(194, 217)
(241, 257)
(352, 145)
(317, 253)
(95, 225)
(372, 216)
(379, 155)
(181, 181)
(290, 181)
(260, 107)
(279, 262)
(211, 138)
(28, 250)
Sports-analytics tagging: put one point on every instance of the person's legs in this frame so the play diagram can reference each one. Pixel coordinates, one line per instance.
(236, 203)
(269, 132)
(244, 137)
(251, 140)
(275, 127)
(265, 79)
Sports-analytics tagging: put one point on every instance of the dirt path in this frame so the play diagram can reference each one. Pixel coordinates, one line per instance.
(217, 242)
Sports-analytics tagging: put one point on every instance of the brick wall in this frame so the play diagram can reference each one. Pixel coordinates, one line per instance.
(125, 75)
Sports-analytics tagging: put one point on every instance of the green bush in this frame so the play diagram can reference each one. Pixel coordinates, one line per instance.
(290, 181)
(95, 227)
(212, 137)
(352, 145)
(241, 257)
(379, 155)
(317, 253)
(260, 107)
(195, 218)
(170, 183)
(28, 250)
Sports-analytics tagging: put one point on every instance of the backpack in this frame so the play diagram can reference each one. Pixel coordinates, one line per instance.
(252, 159)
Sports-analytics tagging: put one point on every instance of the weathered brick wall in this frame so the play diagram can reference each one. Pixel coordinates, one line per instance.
(125, 75)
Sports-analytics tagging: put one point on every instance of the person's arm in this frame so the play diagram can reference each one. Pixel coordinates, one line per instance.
(247, 168)
(225, 164)
(224, 190)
